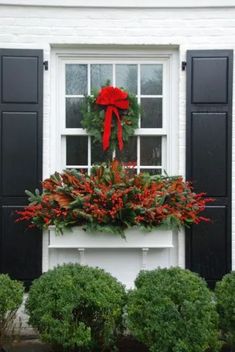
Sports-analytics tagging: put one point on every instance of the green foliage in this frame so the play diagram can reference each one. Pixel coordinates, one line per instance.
(77, 307)
(172, 310)
(225, 297)
(11, 296)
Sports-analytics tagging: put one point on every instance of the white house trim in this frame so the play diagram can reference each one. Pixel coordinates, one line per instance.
(122, 3)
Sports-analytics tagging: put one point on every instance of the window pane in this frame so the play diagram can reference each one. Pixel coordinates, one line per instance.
(100, 74)
(76, 79)
(126, 77)
(152, 113)
(76, 150)
(152, 171)
(151, 79)
(97, 153)
(129, 152)
(150, 150)
(73, 113)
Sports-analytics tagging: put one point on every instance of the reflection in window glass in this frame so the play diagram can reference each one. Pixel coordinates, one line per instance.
(73, 113)
(76, 79)
(152, 171)
(76, 150)
(97, 153)
(129, 152)
(100, 74)
(151, 79)
(151, 116)
(84, 170)
(126, 77)
(150, 150)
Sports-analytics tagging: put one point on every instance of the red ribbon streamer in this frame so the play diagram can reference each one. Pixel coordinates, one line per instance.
(114, 99)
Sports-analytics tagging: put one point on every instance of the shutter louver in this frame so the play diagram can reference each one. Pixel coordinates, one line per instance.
(21, 77)
(208, 158)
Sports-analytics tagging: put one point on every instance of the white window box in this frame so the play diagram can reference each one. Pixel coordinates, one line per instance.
(76, 237)
(121, 257)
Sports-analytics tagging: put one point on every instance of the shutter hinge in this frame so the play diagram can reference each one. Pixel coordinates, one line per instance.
(45, 64)
(183, 65)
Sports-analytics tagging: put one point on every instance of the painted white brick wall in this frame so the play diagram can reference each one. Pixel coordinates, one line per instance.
(188, 28)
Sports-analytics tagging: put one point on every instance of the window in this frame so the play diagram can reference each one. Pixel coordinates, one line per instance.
(146, 76)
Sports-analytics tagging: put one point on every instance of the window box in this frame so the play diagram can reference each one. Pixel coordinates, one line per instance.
(121, 257)
(76, 237)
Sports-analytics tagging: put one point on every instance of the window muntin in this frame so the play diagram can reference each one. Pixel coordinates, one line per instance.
(148, 80)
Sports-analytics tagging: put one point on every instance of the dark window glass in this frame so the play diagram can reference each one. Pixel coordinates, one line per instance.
(151, 79)
(151, 116)
(73, 112)
(129, 152)
(76, 151)
(150, 150)
(152, 171)
(97, 153)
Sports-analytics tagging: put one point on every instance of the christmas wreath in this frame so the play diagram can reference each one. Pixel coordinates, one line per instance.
(110, 116)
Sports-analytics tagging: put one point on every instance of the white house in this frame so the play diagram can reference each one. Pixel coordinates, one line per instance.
(176, 56)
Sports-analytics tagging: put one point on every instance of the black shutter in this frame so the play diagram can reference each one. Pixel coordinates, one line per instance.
(208, 158)
(21, 74)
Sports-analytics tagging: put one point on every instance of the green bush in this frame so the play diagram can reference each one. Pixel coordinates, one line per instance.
(11, 297)
(173, 310)
(77, 307)
(225, 297)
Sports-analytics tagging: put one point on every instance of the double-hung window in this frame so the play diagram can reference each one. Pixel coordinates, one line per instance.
(148, 77)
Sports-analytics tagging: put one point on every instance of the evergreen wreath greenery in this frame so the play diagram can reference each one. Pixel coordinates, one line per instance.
(94, 118)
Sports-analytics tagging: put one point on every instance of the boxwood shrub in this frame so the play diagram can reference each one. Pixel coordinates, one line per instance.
(173, 310)
(77, 308)
(225, 297)
(11, 297)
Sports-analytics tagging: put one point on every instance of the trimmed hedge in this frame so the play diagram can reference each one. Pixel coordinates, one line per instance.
(11, 297)
(225, 297)
(173, 310)
(77, 307)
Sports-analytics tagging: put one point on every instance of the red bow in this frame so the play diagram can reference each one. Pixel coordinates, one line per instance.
(114, 99)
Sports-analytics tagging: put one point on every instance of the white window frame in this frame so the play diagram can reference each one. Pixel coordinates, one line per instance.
(168, 58)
